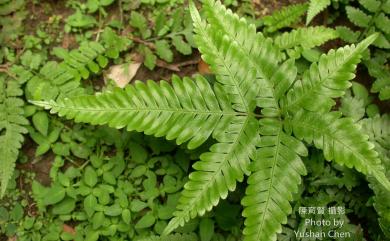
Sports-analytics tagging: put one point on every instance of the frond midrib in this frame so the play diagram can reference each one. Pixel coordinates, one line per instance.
(178, 111)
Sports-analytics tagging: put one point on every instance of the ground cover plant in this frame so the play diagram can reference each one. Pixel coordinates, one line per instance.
(263, 128)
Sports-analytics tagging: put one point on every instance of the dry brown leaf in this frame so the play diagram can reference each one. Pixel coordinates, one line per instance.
(203, 68)
(122, 74)
(68, 229)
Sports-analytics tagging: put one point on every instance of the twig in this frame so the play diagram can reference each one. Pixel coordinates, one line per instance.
(176, 67)
(141, 41)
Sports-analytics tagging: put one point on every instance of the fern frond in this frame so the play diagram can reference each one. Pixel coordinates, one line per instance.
(53, 81)
(82, 60)
(59, 80)
(326, 79)
(341, 140)
(190, 111)
(276, 173)
(378, 130)
(12, 128)
(383, 22)
(306, 37)
(358, 17)
(315, 7)
(284, 17)
(217, 171)
(377, 69)
(347, 34)
(172, 237)
(382, 41)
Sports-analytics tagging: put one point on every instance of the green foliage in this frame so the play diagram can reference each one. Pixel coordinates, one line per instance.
(315, 7)
(378, 69)
(172, 237)
(128, 195)
(285, 17)
(372, 17)
(267, 147)
(167, 30)
(57, 80)
(378, 129)
(306, 37)
(12, 128)
(12, 15)
(300, 40)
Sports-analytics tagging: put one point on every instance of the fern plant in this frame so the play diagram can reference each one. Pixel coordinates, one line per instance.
(371, 16)
(57, 80)
(12, 128)
(296, 111)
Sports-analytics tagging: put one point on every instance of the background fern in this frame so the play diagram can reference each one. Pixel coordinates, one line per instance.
(57, 80)
(284, 17)
(12, 128)
(315, 7)
(370, 16)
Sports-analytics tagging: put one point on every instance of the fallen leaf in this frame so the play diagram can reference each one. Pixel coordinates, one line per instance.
(13, 238)
(68, 229)
(122, 74)
(203, 68)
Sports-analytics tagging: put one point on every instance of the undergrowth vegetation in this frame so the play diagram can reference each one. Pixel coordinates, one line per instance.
(194, 120)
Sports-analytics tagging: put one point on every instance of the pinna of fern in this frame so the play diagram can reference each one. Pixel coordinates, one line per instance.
(12, 128)
(295, 112)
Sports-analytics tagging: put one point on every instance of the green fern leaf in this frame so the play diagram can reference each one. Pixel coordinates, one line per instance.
(378, 130)
(347, 34)
(172, 237)
(284, 17)
(358, 17)
(377, 68)
(382, 42)
(82, 59)
(11, 128)
(190, 111)
(315, 7)
(217, 171)
(53, 81)
(341, 140)
(276, 173)
(306, 37)
(383, 22)
(326, 80)
(371, 5)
